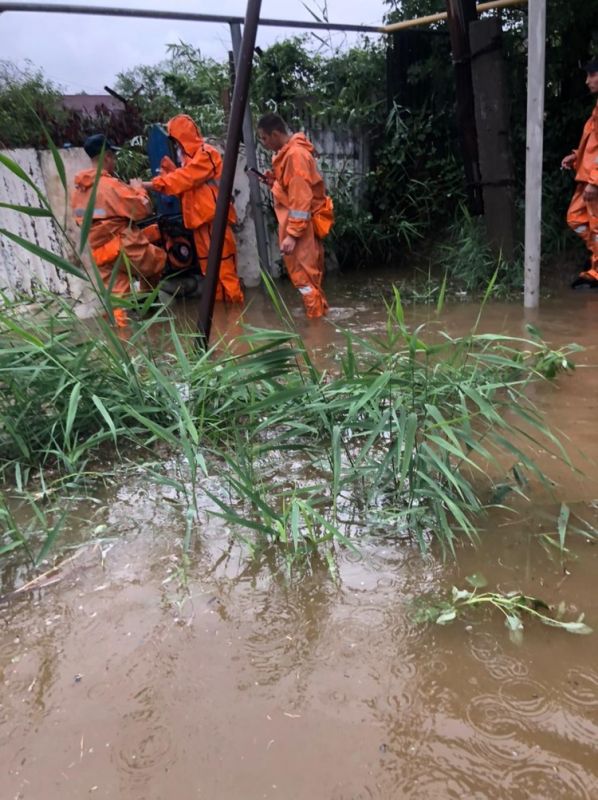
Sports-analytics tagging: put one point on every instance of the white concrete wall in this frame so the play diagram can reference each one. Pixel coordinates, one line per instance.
(22, 273)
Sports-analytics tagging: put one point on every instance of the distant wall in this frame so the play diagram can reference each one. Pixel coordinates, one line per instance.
(22, 273)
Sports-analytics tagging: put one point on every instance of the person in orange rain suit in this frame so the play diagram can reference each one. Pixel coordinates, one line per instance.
(582, 215)
(117, 206)
(196, 181)
(303, 210)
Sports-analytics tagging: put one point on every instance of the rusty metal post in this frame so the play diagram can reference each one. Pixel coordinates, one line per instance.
(255, 192)
(233, 137)
(460, 14)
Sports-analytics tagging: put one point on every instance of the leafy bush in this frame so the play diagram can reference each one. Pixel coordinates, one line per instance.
(25, 98)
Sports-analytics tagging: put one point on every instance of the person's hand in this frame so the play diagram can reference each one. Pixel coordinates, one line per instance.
(590, 193)
(136, 183)
(288, 245)
(147, 185)
(568, 161)
(269, 178)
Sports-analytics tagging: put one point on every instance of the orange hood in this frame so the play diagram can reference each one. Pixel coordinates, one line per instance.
(184, 130)
(297, 140)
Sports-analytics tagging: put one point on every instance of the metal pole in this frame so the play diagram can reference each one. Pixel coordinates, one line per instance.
(536, 51)
(250, 154)
(233, 136)
(144, 13)
(460, 14)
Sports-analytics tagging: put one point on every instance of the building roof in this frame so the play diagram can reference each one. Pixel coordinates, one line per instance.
(88, 103)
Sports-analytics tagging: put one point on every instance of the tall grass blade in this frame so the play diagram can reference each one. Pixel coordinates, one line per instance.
(30, 211)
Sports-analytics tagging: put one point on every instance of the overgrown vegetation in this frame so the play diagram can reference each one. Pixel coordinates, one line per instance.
(25, 97)
(471, 262)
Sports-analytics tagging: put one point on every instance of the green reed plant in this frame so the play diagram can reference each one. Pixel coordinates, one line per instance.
(408, 432)
(470, 262)
(409, 438)
(514, 606)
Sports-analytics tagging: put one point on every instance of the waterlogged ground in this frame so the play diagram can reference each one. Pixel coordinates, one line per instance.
(135, 675)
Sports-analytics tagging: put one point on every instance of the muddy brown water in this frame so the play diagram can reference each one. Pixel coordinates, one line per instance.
(137, 677)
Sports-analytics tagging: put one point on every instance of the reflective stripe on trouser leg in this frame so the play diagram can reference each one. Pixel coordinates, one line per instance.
(578, 218)
(305, 267)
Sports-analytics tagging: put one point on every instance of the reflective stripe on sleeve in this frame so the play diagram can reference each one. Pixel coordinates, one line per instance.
(97, 212)
(580, 228)
(294, 213)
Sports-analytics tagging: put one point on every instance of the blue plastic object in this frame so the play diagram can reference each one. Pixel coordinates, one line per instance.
(158, 146)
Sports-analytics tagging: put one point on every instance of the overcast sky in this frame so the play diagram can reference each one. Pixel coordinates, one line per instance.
(83, 53)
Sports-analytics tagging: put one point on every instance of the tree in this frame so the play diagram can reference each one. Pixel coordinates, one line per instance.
(185, 83)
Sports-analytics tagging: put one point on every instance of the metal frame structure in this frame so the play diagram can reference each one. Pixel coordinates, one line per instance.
(183, 16)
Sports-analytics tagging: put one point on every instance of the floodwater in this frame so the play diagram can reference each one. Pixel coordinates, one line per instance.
(136, 675)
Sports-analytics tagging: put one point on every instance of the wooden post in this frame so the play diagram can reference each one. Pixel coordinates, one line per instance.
(492, 123)
(460, 14)
(536, 52)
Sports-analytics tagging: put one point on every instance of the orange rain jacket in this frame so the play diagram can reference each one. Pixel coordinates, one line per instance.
(582, 215)
(196, 182)
(586, 155)
(304, 212)
(117, 205)
(299, 191)
(197, 179)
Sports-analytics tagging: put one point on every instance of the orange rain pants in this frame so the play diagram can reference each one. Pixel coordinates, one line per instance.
(305, 265)
(228, 288)
(582, 216)
(196, 182)
(299, 193)
(145, 261)
(117, 205)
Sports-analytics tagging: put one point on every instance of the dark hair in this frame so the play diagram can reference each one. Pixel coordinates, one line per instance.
(272, 122)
